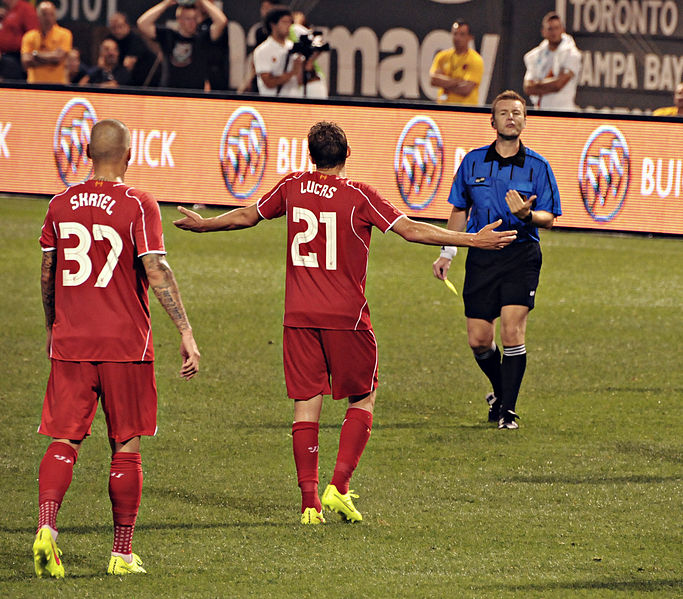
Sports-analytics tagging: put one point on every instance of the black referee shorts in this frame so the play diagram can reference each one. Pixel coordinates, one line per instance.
(496, 278)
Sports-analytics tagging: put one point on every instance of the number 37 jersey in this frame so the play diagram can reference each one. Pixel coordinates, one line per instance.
(329, 224)
(99, 230)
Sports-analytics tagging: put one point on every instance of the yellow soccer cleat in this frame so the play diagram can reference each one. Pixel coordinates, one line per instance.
(47, 556)
(312, 516)
(335, 501)
(120, 567)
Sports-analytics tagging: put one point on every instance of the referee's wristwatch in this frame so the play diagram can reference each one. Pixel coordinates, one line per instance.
(529, 217)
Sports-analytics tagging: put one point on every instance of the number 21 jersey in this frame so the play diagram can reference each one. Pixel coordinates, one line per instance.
(99, 230)
(329, 225)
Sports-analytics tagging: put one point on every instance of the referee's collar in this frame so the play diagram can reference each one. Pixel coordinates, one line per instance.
(516, 159)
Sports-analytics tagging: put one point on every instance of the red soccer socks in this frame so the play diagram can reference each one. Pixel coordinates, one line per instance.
(125, 491)
(305, 446)
(54, 477)
(353, 438)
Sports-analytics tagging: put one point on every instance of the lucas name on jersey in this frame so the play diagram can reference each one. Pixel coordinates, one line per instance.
(98, 200)
(326, 191)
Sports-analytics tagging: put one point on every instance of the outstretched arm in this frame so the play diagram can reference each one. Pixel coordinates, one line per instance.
(165, 287)
(240, 218)
(48, 269)
(486, 238)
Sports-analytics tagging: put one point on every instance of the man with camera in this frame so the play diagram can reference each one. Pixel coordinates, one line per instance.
(310, 44)
(185, 50)
(279, 71)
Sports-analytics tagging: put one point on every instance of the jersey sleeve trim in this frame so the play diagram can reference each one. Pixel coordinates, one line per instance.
(50, 249)
(147, 249)
(160, 252)
(398, 218)
(258, 209)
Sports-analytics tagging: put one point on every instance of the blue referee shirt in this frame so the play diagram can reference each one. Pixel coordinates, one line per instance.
(484, 178)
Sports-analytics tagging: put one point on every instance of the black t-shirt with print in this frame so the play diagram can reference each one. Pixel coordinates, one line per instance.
(186, 58)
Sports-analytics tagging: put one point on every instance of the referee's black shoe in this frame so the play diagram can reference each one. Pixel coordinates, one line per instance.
(494, 407)
(507, 420)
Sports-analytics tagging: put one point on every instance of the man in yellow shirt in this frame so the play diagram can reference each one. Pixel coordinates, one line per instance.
(44, 50)
(676, 110)
(457, 72)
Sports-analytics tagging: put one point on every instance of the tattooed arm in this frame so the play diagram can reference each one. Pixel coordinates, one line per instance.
(48, 269)
(165, 287)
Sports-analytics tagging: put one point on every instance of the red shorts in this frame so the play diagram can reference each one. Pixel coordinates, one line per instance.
(129, 399)
(313, 356)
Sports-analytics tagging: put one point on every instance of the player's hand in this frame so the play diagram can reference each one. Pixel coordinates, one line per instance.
(517, 204)
(440, 268)
(191, 222)
(190, 354)
(488, 239)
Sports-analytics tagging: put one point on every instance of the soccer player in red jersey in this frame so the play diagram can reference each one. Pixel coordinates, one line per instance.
(327, 330)
(102, 247)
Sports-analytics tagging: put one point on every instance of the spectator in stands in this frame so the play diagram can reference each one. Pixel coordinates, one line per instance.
(134, 54)
(553, 67)
(278, 72)
(677, 108)
(258, 33)
(16, 18)
(10, 69)
(218, 64)
(255, 37)
(185, 50)
(44, 50)
(458, 71)
(109, 72)
(75, 69)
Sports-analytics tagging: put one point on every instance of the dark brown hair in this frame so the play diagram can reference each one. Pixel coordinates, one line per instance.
(327, 144)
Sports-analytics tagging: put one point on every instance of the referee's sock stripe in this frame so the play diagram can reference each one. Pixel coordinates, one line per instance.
(515, 350)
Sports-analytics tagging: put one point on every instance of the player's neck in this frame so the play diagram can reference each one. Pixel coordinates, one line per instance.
(337, 171)
(107, 175)
(507, 147)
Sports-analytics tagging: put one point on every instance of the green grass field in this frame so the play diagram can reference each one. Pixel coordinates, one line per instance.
(584, 500)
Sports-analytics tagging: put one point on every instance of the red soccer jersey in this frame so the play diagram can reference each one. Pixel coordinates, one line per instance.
(99, 230)
(329, 224)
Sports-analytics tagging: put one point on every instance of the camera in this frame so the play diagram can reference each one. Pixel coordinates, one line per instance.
(185, 3)
(309, 44)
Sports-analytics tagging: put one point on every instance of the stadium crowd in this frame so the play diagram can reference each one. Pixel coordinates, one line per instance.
(190, 51)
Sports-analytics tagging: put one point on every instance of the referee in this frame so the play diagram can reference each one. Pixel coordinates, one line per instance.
(507, 181)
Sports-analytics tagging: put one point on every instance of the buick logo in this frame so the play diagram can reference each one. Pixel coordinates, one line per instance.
(418, 162)
(243, 152)
(72, 136)
(604, 173)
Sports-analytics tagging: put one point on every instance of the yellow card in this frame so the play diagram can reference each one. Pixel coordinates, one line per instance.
(450, 286)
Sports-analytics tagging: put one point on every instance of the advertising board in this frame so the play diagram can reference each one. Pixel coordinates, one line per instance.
(614, 173)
